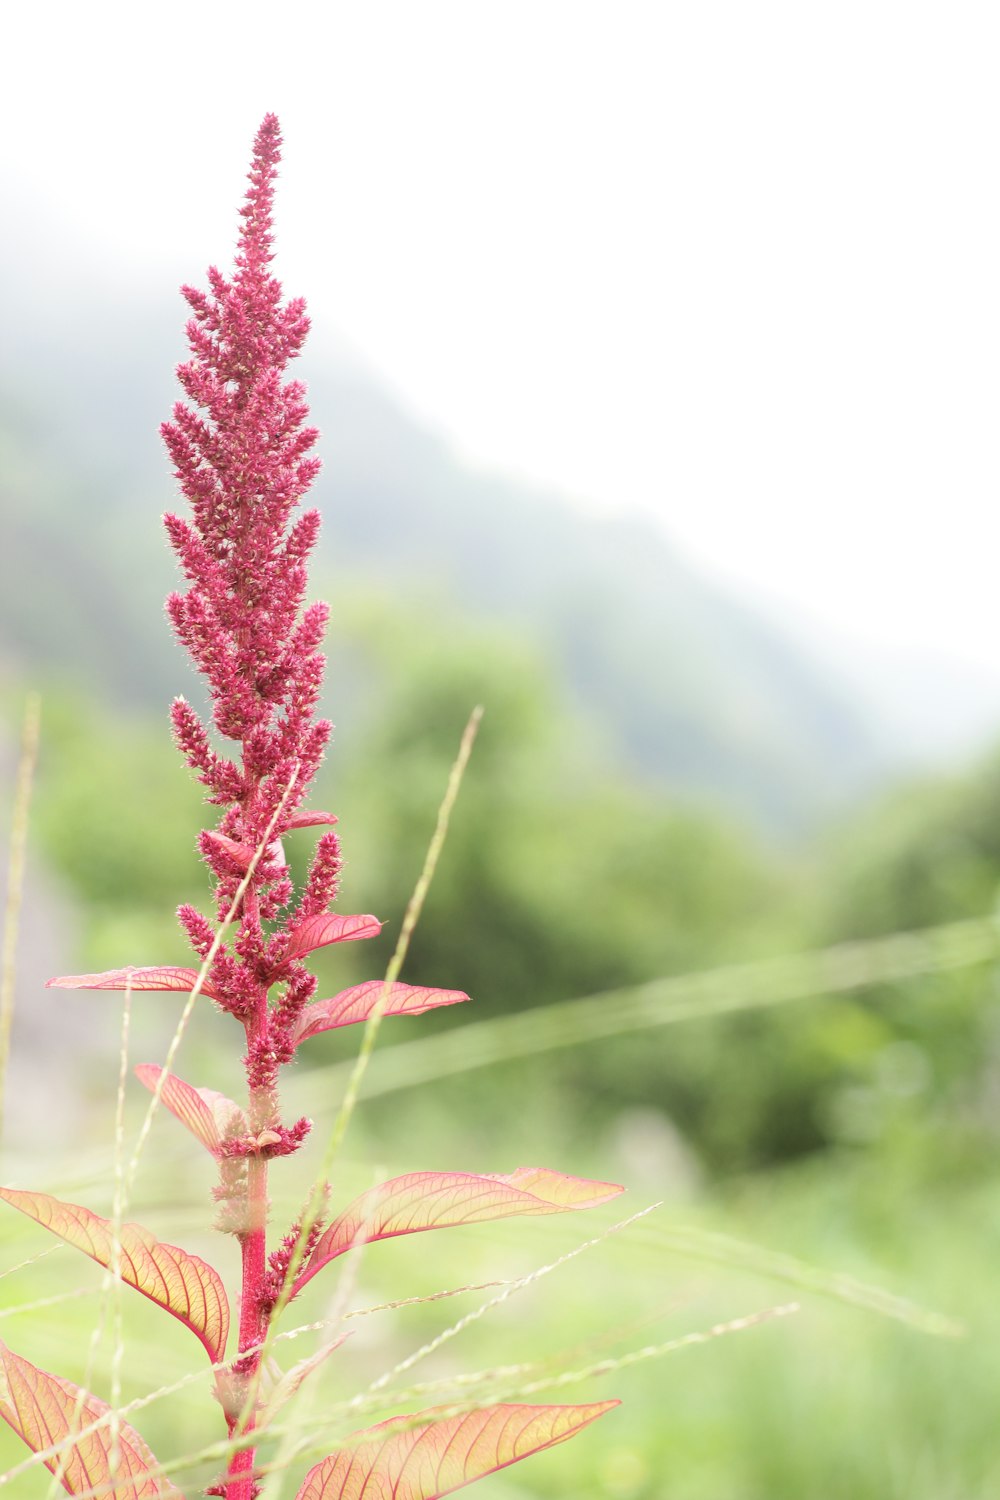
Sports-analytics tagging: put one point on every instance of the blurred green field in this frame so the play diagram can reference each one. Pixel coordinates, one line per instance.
(837, 1400)
(800, 1152)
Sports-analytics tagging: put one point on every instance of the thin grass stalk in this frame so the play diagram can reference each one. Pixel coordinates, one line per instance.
(382, 1382)
(118, 1335)
(652, 1351)
(16, 864)
(296, 1381)
(699, 995)
(697, 1244)
(215, 1451)
(702, 1245)
(410, 919)
(123, 1188)
(196, 988)
(55, 1300)
(23, 1265)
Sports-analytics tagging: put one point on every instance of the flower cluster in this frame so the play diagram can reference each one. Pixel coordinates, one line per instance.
(242, 454)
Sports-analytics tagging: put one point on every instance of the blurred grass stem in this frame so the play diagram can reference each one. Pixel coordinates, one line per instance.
(684, 997)
(30, 733)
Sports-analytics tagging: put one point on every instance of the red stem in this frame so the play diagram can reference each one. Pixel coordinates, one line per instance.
(240, 1483)
(253, 1325)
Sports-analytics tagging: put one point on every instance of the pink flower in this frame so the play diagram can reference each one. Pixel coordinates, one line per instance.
(241, 454)
(241, 449)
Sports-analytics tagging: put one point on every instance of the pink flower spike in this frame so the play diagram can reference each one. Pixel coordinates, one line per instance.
(166, 979)
(357, 1004)
(328, 928)
(323, 881)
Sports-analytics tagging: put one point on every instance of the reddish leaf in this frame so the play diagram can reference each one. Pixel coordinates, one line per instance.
(357, 1004)
(394, 1461)
(329, 927)
(206, 1114)
(307, 819)
(240, 854)
(165, 977)
(44, 1409)
(183, 1284)
(442, 1200)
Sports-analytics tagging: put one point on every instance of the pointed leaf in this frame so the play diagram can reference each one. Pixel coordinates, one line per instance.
(307, 819)
(183, 1284)
(442, 1200)
(357, 1004)
(240, 854)
(207, 1114)
(329, 927)
(165, 977)
(432, 1458)
(44, 1409)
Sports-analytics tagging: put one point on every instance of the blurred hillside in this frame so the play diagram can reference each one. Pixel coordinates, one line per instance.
(677, 680)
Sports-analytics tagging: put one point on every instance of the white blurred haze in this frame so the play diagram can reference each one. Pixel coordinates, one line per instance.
(736, 264)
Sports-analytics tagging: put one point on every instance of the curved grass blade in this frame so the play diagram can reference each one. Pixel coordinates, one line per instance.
(182, 1284)
(767, 983)
(700, 1244)
(427, 1458)
(45, 1410)
(16, 861)
(410, 919)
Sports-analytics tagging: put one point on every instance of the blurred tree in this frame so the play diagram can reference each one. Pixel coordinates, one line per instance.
(910, 1070)
(116, 815)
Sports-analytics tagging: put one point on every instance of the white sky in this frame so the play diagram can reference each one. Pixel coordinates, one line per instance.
(737, 263)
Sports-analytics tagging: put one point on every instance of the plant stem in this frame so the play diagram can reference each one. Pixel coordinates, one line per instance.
(253, 1244)
(253, 1327)
(15, 876)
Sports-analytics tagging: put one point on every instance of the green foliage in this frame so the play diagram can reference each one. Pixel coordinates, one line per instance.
(927, 853)
(905, 1066)
(117, 818)
(571, 877)
(560, 877)
(563, 877)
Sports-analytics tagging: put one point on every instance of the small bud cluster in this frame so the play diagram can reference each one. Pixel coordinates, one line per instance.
(295, 1246)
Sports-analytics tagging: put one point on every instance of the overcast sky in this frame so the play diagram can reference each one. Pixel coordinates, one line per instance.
(737, 264)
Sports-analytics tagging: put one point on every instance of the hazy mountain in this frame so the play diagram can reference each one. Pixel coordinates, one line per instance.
(691, 688)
